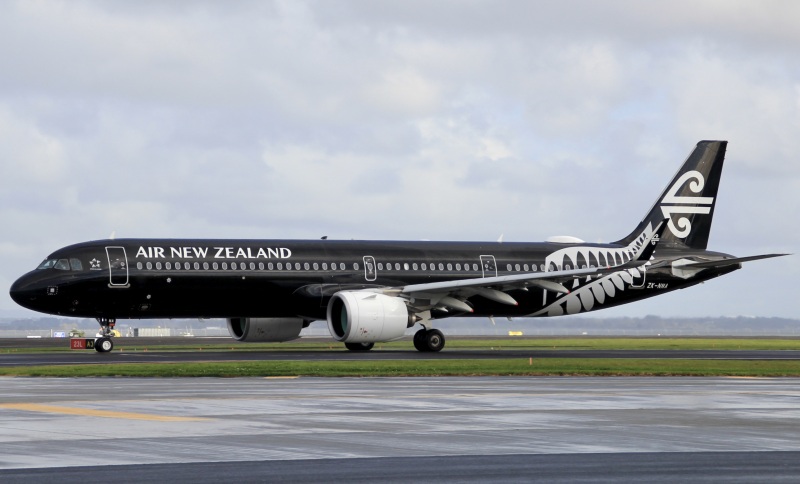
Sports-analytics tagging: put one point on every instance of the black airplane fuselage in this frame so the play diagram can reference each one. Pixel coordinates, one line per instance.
(368, 291)
(170, 278)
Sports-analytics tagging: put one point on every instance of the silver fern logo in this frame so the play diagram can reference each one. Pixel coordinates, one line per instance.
(672, 203)
(585, 294)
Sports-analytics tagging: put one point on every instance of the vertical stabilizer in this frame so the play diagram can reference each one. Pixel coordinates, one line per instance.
(688, 201)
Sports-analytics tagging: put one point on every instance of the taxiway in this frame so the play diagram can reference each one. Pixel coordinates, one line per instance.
(401, 429)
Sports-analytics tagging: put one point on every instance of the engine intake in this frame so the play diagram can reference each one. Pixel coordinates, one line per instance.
(367, 317)
(262, 330)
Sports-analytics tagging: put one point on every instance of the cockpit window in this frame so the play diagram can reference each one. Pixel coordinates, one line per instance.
(47, 264)
(61, 264)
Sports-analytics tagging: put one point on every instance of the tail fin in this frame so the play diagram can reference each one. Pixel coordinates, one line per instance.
(688, 201)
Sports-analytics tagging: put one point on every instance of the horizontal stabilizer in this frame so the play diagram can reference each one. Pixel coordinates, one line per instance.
(728, 262)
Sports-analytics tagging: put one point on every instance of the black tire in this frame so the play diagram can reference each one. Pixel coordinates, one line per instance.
(103, 345)
(419, 340)
(359, 346)
(434, 340)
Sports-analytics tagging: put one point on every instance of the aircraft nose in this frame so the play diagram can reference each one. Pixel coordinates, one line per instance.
(23, 292)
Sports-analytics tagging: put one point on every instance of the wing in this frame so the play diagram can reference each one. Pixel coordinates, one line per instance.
(453, 294)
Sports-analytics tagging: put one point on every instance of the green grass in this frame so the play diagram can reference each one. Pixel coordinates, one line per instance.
(434, 366)
(428, 368)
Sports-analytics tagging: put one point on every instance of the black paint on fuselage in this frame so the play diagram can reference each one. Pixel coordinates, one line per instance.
(284, 278)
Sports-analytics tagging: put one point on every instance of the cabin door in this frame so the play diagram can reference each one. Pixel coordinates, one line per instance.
(117, 266)
(370, 270)
(638, 282)
(488, 266)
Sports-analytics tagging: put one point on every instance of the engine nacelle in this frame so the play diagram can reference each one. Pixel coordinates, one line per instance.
(367, 317)
(264, 329)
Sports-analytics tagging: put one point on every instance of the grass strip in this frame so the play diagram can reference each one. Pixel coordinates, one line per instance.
(426, 368)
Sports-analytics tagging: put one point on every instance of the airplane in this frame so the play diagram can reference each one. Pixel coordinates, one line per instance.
(372, 291)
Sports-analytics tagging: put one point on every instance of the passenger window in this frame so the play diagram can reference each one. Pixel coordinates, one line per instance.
(149, 266)
(76, 264)
(261, 266)
(341, 265)
(533, 267)
(380, 266)
(424, 266)
(475, 267)
(508, 267)
(397, 266)
(414, 266)
(158, 265)
(516, 267)
(458, 267)
(224, 266)
(324, 266)
(233, 266)
(525, 267)
(297, 266)
(169, 265)
(280, 266)
(316, 266)
(139, 265)
(355, 266)
(252, 266)
(441, 266)
(405, 266)
(306, 266)
(196, 265)
(449, 266)
(214, 266)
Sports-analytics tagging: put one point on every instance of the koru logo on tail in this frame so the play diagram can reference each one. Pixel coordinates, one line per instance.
(674, 204)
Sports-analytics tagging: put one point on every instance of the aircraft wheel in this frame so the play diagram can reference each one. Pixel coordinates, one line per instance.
(103, 345)
(359, 346)
(434, 340)
(419, 340)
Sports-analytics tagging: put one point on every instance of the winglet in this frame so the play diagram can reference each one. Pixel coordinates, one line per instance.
(650, 244)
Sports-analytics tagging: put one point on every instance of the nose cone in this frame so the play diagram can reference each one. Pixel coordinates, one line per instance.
(24, 292)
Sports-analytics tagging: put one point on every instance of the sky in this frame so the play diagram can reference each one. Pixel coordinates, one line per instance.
(438, 120)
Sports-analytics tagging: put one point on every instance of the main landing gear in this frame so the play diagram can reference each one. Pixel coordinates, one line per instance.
(425, 340)
(359, 346)
(104, 343)
(429, 340)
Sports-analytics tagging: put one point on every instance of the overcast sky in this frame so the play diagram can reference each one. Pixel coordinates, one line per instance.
(441, 120)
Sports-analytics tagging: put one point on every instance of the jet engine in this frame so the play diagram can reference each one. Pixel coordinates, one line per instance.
(367, 317)
(264, 329)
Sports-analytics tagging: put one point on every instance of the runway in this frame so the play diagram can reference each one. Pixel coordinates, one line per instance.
(498, 429)
(338, 354)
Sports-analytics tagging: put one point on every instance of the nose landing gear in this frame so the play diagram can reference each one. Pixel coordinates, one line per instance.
(104, 344)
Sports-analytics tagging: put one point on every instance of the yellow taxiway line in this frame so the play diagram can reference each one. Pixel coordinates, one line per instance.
(87, 412)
